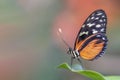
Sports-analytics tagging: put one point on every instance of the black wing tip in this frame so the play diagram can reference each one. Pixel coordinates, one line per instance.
(99, 10)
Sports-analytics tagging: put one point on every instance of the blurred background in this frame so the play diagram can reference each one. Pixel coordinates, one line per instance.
(30, 48)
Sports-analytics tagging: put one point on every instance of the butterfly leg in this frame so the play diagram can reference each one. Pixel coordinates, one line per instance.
(72, 58)
(79, 60)
(80, 63)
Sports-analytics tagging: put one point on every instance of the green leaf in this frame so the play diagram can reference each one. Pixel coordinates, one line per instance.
(112, 77)
(87, 73)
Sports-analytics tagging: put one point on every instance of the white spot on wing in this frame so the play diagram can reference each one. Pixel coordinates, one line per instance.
(83, 33)
(87, 32)
(103, 38)
(104, 19)
(97, 18)
(104, 24)
(102, 30)
(90, 25)
(94, 31)
(103, 16)
(99, 14)
(101, 54)
(98, 36)
(101, 20)
(92, 17)
(98, 25)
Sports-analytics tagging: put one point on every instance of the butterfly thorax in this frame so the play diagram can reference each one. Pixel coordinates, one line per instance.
(74, 53)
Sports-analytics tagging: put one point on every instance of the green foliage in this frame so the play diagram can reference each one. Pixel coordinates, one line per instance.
(88, 73)
(112, 77)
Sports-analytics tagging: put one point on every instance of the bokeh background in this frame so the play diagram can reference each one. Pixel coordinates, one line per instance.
(30, 48)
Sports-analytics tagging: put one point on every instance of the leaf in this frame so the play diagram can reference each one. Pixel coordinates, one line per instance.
(112, 77)
(87, 73)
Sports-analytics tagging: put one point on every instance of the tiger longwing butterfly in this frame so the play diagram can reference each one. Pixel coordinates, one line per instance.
(91, 40)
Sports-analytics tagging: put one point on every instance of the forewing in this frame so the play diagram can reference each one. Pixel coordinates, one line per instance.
(95, 23)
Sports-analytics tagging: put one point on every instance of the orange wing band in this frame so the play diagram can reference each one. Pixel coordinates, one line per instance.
(91, 50)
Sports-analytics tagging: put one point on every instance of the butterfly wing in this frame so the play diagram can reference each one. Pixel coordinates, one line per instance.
(93, 47)
(94, 25)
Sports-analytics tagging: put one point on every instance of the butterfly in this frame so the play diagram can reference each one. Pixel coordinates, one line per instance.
(91, 41)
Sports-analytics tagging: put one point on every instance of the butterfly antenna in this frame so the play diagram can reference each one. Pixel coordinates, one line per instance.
(59, 33)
